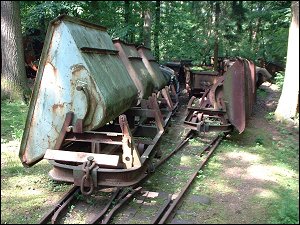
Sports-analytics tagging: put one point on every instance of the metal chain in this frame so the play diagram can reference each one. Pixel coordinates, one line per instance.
(87, 168)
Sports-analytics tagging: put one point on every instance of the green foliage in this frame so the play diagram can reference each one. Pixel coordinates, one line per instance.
(270, 116)
(279, 79)
(287, 210)
(38, 14)
(54, 186)
(259, 141)
(261, 93)
(249, 29)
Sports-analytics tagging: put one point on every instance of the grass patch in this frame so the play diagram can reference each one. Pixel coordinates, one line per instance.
(279, 79)
(253, 154)
(13, 117)
(287, 209)
(26, 193)
(261, 93)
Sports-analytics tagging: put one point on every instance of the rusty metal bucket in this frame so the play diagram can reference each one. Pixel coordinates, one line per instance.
(135, 67)
(160, 81)
(80, 71)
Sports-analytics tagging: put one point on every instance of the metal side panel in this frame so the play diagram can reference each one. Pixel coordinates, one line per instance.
(136, 68)
(235, 95)
(68, 79)
(117, 89)
(252, 77)
(160, 81)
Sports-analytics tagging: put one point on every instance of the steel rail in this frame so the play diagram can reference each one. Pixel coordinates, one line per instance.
(162, 210)
(211, 147)
(60, 205)
(165, 211)
(105, 209)
(122, 202)
(187, 137)
(137, 188)
(54, 213)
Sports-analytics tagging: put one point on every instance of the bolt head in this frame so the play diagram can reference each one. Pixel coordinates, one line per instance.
(90, 158)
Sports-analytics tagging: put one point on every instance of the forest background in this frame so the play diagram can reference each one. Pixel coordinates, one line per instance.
(175, 30)
(180, 29)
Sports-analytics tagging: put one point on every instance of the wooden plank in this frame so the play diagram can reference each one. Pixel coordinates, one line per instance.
(68, 156)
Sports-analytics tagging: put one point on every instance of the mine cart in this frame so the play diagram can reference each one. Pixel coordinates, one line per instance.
(88, 116)
(228, 103)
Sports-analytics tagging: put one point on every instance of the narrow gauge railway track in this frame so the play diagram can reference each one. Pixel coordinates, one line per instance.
(120, 196)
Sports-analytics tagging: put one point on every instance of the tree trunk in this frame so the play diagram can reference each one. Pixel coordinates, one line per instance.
(216, 47)
(141, 28)
(126, 18)
(289, 99)
(157, 29)
(147, 29)
(240, 17)
(256, 33)
(13, 77)
(250, 25)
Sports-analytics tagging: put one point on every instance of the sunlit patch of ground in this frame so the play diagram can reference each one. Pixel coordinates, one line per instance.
(253, 170)
(266, 193)
(268, 85)
(11, 146)
(243, 156)
(270, 173)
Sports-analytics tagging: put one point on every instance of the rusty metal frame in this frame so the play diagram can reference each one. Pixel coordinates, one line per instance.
(230, 100)
(207, 108)
(208, 78)
(136, 139)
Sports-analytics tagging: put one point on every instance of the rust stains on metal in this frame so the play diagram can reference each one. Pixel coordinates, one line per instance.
(136, 68)
(57, 106)
(239, 88)
(87, 83)
(153, 67)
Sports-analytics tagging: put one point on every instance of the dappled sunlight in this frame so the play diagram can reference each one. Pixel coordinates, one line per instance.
(268, 85)
(10, 146)
(25, 192)
(254, 169)
(219, 186)
(224, 188)
(31, 203)
(195, 142)
(244, 156)
(33, 190)
(266, 193)
(268, 173)
(235, 172)
(27, 185)
(186, 160)
(260, 172)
